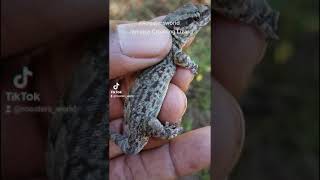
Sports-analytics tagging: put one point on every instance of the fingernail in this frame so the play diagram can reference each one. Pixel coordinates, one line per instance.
(144, 39)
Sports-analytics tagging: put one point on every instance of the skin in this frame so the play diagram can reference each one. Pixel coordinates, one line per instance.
(23, 160)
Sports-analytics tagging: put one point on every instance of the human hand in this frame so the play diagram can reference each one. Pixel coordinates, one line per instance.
(237, 49)
(160, 159)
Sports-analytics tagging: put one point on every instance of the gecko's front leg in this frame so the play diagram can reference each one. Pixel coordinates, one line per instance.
(167, 131)
(182, 59)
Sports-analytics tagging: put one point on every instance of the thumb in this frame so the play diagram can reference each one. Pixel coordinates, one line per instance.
(136, 46)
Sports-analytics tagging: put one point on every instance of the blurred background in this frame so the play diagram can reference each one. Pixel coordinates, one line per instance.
(199, 93)
(281, 107)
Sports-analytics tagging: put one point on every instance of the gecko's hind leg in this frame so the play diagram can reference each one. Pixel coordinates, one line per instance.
(127, 145)
(183, 60)
(122, 141)
(167, 131)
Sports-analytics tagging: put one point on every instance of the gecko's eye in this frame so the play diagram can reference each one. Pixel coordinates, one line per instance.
(196, 18)
(186, 22)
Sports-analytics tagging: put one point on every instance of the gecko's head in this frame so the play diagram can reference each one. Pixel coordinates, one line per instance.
(186, 21)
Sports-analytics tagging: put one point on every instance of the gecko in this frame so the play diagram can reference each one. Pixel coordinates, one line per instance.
(150, 87)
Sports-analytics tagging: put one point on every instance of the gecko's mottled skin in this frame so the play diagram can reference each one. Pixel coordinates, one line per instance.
(77, 148)
(150, 87)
